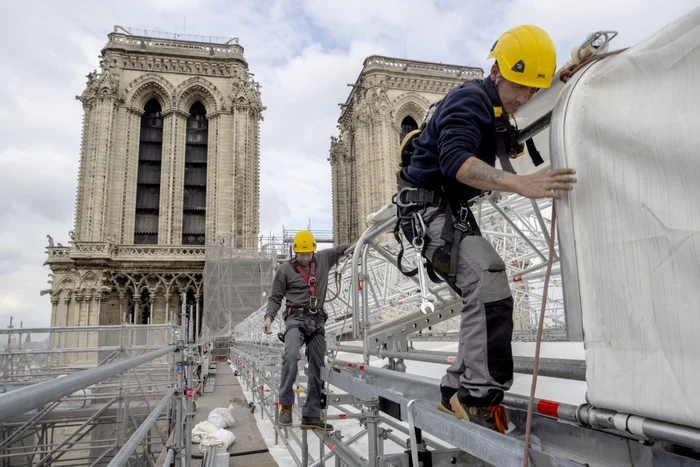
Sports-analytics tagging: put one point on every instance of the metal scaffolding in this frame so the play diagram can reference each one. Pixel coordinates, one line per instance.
(376, 311)
(382, 311)
(98, 395)
(235, 283)
(513, 225)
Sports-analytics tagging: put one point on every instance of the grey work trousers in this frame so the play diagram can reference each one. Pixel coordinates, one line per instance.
(300, 329)
(483, 368)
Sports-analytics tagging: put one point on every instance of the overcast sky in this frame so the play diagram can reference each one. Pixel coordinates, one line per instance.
(302, 52)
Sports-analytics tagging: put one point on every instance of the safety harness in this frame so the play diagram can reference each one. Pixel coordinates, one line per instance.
(412, 200)
(310, 279)
(311, 308)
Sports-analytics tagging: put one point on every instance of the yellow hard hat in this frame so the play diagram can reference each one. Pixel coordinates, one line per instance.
(526, 55)
(304, 242)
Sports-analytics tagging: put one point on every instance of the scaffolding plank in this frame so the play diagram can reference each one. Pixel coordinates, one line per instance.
(209, 387)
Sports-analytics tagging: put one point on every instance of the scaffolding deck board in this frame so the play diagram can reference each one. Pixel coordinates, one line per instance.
(248, 437)
(211, 382)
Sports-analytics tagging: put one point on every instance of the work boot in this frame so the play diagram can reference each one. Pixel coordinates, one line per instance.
(315, 423)
(444, 404)
(285, 416)
(492, 416)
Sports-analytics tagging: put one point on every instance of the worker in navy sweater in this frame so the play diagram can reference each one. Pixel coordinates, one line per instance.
(303, 282)
(453, 161)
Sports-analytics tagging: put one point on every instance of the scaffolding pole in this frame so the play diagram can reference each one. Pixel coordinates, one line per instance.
(130, 446)
(31, 397)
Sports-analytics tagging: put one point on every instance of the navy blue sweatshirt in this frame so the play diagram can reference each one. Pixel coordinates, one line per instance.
(461, 126)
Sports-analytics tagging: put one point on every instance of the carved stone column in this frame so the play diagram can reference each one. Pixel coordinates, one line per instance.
(197, 297)
(137, 309)
(342, 190)
(151, 299)
(240, 150)
(94, 307)
(172, 178)
(100, 102)
(66, 339)
(247, 112)
(129, 179)
(54, 308)
(122, 317)
(225, 180)
(167, 308)
(214, 149)
(55, 320)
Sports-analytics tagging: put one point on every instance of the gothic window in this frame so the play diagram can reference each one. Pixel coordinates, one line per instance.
(195, 199)
(407, 126)
(148, 183)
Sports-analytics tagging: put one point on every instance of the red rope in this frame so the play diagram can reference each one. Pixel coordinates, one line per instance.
(531, 403)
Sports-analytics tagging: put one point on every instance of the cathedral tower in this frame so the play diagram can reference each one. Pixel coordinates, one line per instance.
(169, 160)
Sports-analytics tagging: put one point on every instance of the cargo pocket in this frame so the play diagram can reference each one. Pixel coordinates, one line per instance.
(480, 251)
(483, 259)
(499, 334)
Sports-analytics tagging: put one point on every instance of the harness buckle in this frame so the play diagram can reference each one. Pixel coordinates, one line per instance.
(403, 204)
(419, 230)
(463, 214)
(313, 305)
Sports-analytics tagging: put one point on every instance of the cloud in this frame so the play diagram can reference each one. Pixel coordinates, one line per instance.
(302, 110)
(302, 52)
(45, 182)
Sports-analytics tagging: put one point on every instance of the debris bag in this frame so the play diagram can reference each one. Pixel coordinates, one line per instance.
(202, 430)
(218, 439)
(221, 417)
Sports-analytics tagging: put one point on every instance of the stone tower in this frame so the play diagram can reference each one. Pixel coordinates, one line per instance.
(169, 160)
(388, 100)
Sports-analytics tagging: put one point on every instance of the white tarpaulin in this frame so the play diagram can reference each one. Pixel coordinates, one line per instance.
(630, 229)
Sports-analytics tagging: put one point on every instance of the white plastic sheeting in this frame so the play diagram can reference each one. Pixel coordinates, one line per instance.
(212, 432)
(222, 417)
(202, 430)
(220, 438)
(630, 229)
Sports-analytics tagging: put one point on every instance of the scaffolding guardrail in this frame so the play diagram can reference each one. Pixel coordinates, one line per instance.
(125, 400)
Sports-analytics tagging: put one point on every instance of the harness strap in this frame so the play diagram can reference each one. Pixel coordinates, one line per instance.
(309, 278)
(399, 257)
(300, 326)
(413, 197)
(502, 133)
(452, 234)
(534, 153)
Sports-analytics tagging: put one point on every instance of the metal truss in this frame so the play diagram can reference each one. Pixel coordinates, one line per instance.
(518, 228)
(375, 311)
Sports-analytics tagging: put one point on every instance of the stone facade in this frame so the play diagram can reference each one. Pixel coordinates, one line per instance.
(169, 158)
(389, 99)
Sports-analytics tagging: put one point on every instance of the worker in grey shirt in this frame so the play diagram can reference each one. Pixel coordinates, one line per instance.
(303, 282)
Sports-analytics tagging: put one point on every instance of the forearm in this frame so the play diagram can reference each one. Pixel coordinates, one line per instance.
(340, 250)
(478, 174)
(273, 306)
(279, 286)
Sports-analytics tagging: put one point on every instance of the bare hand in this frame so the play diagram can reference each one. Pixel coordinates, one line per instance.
(543, 185)
(267, 325)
